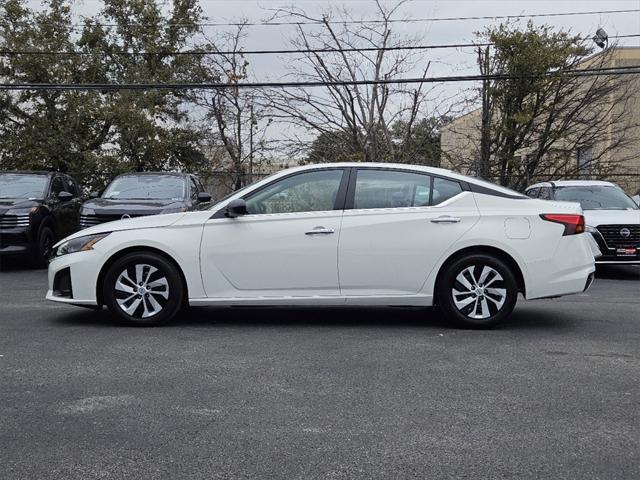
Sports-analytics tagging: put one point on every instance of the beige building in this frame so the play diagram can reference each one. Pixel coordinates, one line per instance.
(614, 153)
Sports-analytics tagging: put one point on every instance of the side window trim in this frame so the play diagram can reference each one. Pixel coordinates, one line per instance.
(351, 190)
(340, 196)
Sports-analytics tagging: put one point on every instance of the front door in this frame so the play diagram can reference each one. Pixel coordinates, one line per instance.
(287, 244)
(399, 227)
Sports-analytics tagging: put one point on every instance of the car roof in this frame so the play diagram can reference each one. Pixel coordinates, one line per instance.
(573, 183)
(483, 184)
(29, 172)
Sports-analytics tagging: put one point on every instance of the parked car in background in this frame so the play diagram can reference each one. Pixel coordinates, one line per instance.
(335, 234)
(612, 217)
(36, 209)
(140, 194)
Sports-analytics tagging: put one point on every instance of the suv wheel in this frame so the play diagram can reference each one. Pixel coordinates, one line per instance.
(44, 244)
(143, 289)
(477, 291)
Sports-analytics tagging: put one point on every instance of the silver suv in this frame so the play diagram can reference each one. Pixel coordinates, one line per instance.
(612, 217)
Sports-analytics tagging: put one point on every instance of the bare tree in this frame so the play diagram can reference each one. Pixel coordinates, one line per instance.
(361, 115)
(545, 121)
(237, 116)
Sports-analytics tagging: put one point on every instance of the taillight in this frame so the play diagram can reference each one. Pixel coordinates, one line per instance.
(573, 223)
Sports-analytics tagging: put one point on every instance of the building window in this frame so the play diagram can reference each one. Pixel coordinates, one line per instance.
(585, 158)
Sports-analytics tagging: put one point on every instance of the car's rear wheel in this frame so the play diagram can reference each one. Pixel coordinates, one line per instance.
(143, 289)
(477, 291)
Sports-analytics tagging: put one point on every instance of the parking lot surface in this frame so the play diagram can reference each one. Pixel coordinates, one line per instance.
(321, 393)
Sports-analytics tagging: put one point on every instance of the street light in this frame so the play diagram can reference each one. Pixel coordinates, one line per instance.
(601, 38)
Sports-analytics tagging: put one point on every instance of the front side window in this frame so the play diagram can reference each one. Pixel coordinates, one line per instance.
(596, 197)
(194, 189)
(391, 189)
(57, 186)
(305, 192)
(146, 187)
(19, 185)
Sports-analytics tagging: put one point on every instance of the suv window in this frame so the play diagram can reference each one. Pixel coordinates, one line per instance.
(57, 186)
(545, 193)
(194, 189)
(532, 192)
(391, 189)
(72, 187)
(444, 189)
(306, 192)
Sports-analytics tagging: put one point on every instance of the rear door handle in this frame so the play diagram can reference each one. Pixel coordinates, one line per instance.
(320, 231)
(445, 219)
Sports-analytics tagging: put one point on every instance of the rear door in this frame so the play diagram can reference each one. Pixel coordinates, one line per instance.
(396, 226)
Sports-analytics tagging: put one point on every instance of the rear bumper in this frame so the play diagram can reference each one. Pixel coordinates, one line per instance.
(570, 270)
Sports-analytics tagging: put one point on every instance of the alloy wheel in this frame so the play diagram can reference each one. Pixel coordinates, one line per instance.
(141, 290)
(479, 292)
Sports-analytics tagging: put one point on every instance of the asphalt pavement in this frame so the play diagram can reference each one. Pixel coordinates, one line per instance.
(321, 393)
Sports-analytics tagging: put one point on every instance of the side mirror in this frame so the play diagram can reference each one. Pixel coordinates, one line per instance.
(94, 195)
(204, 197)
(64, 196)
(236, 208)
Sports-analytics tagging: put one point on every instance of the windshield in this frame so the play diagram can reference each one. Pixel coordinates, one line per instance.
(596, 197)
(20, 185)
(146, 187)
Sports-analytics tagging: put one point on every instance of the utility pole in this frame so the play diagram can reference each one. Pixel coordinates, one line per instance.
(484, 167)
(252, 123)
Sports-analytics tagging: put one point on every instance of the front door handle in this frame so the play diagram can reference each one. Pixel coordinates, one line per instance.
(445, 219)
(320, 231)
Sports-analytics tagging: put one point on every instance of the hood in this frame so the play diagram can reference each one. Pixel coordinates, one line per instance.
(611, 217)
(10, 203)
(113, 206)
(152, 221)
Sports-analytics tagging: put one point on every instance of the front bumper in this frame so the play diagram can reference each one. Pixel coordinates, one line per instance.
(15, 240)
(82, 269)
(612, 256)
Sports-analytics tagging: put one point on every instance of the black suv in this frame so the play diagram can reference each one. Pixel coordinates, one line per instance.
(139, 194)
(36, 209)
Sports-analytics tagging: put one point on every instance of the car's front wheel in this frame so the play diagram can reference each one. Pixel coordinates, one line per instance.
(143, 289)
(477, 291)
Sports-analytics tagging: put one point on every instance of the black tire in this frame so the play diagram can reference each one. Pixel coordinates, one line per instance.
(153, 303)
(42, 248)
(477, 291)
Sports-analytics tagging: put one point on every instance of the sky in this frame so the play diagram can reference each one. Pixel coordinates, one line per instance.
(443, 62)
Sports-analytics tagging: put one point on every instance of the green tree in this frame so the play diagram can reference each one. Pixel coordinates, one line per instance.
(535, 120)
(96, 134)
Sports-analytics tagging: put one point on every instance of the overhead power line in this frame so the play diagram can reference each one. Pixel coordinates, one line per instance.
(265, 52)
(627, 70)
(364, 21)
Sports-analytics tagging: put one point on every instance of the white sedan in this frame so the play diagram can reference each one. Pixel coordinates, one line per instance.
(336, 234)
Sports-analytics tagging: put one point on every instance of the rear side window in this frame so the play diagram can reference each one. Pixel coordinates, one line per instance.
(391, 189)
(444, 189)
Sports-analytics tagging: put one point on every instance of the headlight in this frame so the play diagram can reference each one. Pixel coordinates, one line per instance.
(79, 244)
(22, 211)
